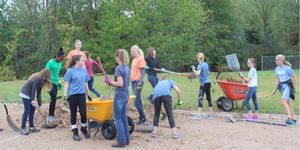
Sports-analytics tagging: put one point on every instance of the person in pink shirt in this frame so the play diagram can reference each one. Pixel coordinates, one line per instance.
(89, 67)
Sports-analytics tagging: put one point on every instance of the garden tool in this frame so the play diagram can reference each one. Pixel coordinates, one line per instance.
(47, 124)
(10, 121)
(108, 87)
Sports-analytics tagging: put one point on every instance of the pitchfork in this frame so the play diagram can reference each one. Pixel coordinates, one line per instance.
(110, 89)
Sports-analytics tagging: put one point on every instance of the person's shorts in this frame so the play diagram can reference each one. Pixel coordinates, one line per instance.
(285, 91)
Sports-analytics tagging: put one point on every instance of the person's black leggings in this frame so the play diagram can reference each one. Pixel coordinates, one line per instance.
(53, 95)
(204, 89)
(77, 100)
(167, 101)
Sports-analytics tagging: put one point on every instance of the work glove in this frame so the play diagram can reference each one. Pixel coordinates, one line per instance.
(241, 75)
(107, 80)
(179, 102)
(89, 98)
(147, 67)
(163, 69)
(193, 67)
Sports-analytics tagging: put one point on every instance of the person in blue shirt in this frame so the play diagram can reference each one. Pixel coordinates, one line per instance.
(121, 84)
(203, 72)
(252, 88)
(76, 90)
(286, 83)
(162, 95)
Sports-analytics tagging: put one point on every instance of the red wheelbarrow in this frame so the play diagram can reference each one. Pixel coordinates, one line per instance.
(233, 91)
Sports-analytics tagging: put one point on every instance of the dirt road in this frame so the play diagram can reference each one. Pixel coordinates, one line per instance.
(204, 134)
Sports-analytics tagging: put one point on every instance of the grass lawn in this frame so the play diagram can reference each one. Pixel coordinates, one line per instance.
(189, 88)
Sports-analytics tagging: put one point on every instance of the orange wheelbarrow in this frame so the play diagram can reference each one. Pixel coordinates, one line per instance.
(101, 112)
(233, 91)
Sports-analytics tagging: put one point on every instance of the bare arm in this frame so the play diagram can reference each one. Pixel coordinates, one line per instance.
(294, 81)
(66, 86)
(177, 90)
(118, 83)
(87, 89)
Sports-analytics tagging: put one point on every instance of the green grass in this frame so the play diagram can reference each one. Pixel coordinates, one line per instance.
(189, 88)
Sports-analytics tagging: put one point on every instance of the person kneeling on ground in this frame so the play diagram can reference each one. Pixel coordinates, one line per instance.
(162, 94)
(32, 87)
(76, 88)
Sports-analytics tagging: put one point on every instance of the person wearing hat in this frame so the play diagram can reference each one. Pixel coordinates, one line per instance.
(54, 66)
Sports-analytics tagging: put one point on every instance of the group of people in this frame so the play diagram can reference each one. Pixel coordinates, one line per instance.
(79, 80)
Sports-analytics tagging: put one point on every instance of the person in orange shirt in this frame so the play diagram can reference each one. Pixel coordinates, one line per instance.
(76, 51)
(137, 80)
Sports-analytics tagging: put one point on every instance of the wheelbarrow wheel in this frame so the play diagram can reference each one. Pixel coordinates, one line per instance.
(227, 105)
(130, 125)
(109, 130)
(219, 102)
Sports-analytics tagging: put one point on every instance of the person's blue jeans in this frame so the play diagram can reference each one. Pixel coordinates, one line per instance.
(28, 111)
(120, 117)
(138, 101)
(251, 93)
(153, 79)
(90, 84)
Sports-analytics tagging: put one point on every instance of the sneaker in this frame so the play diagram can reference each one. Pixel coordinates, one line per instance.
(290, 121)
(85, 133)
(24, 131)
(50, 119)
(249, 117)
(118, 145)
(175, 136)
(153, 135)
(33, 130)
(196, 117)
(294, 120)
(209, 117)
(76, 136)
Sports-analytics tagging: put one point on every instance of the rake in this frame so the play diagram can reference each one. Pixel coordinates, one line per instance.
(9, 119)
(110, 89)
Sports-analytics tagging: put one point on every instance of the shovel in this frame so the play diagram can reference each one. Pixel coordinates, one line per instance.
(233, 62)
(47, 124)
(10, 121)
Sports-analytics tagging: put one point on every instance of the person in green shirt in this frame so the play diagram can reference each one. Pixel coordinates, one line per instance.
(54, 65)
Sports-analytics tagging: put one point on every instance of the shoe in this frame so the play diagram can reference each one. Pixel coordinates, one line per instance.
(153, 135)
(145, 123)
(294, 120)
(175, 136)
(196, 117)
(85, 133)
(33, 130)
(118, 145)
(24, 131)
(76, 136)
(209, 117)
(249, 117)
(127, 143)
(290, 121)
(51, 119)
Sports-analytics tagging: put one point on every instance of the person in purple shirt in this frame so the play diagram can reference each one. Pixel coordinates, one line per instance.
(286, 83)
(121, 84)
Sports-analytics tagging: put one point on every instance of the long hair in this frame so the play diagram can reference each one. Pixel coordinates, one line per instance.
(150, 52)
(200, 57)
(87, 54)
(45, 74)
(282, 57)
(73, 61)
(252, 60)
(141, 53)
(123, 56)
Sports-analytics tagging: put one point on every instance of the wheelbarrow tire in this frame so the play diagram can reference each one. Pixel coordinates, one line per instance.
(219, 102)
(109, 130)
(227, 105)
(131, 125)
